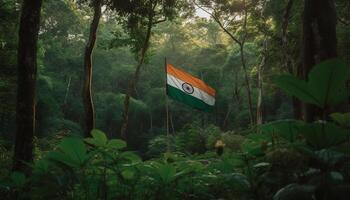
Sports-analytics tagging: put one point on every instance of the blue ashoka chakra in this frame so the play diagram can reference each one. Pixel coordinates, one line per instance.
(187, 88)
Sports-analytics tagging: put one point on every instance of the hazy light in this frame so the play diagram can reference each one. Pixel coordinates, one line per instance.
(200, 13)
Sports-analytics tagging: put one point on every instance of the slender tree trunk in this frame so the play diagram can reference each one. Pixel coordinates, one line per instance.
(172, 124)
(247, 84)
(224, 124)
(319, 40)
(288, 63)
(27, 67)
(67, 90)
(245, 70)
(286, 54)
(135, 78)
(259, 114)
(87, 93)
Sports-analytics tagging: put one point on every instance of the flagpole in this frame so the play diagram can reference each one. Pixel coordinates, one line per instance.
(166, 106)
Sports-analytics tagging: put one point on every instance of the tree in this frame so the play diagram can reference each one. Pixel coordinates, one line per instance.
(87, 93)
(27, 67)
(143, 17)
(230, 16)
(319, 41)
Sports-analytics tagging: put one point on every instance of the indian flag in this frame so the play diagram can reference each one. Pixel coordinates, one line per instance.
(188, 89)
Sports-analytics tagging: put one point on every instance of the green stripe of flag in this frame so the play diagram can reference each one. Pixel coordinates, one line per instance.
(185, 98)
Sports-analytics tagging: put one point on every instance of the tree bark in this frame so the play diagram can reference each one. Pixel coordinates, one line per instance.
(87, 93)
(246, 76)
(27, 67)
(319, 41)
(135, 78)
(259, 113)
(247, 84)
(288, 63)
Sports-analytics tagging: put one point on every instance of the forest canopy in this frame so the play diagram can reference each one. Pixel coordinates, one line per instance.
(86, 111)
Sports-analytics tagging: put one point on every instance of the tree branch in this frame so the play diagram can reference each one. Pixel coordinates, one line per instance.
(344, 22)
(159, 21)
(216, 19)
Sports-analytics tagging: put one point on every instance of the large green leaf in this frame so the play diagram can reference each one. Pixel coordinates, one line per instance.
(328, 157)
(298, 88)
(252, 148)
(131, 156)
(327, 82)
(116, 144)
(324, 135)
(166, 172)
(71, 151)
(295, 191)
(239, 182)
(98, 139)
(287, 129)
(343, 119)
(128, 174)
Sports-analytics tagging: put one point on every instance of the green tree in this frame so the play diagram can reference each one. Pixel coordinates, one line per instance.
(144, 16)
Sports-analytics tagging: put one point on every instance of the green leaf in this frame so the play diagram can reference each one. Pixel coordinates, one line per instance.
(240, 182)
(41, 166)
(324, 135)
(343, 119)
(326, 85)
(128, 155)
(298, 88)
(99, 138)
(18, 179)
(252, 148)
(166, 172)
(287, 129)
(295, 191)
(328, 157)
(71, 151)
(336, 177)
(116, 144)
(128, 174)
(262, 165)
(327, 82)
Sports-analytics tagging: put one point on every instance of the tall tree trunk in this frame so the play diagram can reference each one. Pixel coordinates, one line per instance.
(319, 40)
(87, 94)
(259, 114)
(247, 84)
(135, 78)
(288, 63)
(27, 55)
(245, 70)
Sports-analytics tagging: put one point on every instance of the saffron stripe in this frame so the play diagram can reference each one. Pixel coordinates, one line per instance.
(197, 93)
(196, 82)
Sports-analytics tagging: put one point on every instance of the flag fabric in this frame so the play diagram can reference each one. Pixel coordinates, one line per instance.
(188, 89)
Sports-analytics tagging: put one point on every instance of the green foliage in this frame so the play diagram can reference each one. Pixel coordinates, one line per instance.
(343, 119)
(323, 135)
(326, 84)
(281, 159)
(71, 151)
(286, 129)
(232, 141)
